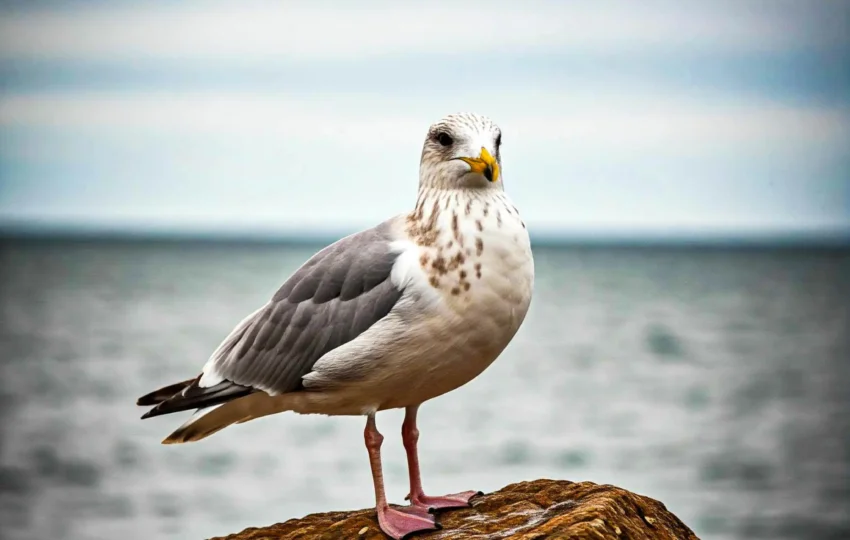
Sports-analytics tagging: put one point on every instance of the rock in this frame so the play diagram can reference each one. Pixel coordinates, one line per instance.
(550, 509)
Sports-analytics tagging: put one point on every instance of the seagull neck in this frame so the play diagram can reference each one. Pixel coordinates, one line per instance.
(445, 196)
(435, 205)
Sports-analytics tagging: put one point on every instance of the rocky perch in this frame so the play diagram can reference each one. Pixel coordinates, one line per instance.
(550, 509)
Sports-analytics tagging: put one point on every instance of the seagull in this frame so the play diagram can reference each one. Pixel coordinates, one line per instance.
(386, 318)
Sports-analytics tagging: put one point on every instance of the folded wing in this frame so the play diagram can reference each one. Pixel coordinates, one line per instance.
(334, 297)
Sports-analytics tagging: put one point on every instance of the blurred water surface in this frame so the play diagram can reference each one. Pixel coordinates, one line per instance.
(715, 380)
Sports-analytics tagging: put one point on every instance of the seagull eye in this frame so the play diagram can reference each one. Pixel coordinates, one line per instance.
(445, 139)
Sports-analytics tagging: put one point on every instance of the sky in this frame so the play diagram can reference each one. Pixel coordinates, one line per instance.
(619, 118)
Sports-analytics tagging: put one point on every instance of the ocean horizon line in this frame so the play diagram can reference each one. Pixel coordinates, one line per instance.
(833, 238)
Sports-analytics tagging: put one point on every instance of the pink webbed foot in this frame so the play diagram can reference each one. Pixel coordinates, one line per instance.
(420, 511)
(399, 523)
(457, 500)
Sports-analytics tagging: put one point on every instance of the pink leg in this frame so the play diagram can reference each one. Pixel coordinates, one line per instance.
(395, 523)
(410, 436)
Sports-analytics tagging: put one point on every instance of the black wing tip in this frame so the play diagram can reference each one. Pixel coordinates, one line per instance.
(151, 413)
(158, 410)
(166, 392)
(195, 397)
(148, 400)
(163, 409)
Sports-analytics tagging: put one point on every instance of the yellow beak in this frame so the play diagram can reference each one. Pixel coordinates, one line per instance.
(484, 164)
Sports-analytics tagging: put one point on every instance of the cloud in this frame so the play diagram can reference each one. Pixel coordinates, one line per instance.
(578, 120)
(273, 31)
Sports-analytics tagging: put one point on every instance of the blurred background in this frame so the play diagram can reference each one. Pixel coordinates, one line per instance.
(684, 169)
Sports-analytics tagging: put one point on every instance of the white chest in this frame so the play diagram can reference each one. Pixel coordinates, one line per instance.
(474, 254)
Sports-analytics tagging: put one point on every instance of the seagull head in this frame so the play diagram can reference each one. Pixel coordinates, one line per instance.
(462, 151)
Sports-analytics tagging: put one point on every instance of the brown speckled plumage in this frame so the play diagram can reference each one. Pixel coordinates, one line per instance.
(452, 228)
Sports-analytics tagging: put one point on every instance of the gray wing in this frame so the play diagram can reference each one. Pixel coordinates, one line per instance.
(334, 297)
